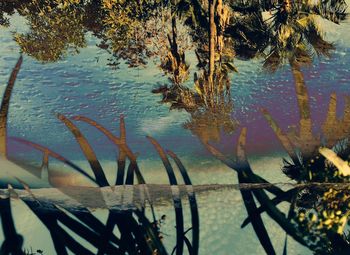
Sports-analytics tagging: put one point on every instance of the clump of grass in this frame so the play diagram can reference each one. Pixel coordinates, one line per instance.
(138, 235)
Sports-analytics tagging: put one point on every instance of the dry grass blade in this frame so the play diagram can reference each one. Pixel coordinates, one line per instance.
(5, 104)
(216, 153)
(285, 245)
(234, 166)
(246, 172)
(120, 172)
(117, 141)
(286, 196)
(122, 129)
(130, 174)
(181, 167)
(277, 215)
(256, 220)
(54, 155)
(176, 196)
(124, 149)
(87, 150)
(280, 135)
(166, 162)
(247, 195)
(12, 241)
(26, 187)
(64, 239)
(193, 205)
(120, 143)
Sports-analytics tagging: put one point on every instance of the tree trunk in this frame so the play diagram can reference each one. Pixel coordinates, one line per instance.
(307, 140)
(212, 37)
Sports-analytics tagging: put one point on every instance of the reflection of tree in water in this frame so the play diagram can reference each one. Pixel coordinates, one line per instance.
(209, 102)
(317, 216)
(210, 125)
(321, 212)
(55, 30)
(295, 36)
(241, 26)
(283, 30)
(221, 31)
(127, 31)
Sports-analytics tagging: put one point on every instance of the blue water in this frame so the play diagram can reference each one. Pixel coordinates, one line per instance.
(83, 84)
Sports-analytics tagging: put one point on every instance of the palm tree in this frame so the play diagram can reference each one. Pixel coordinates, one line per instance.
(296, 38)
(291, 33)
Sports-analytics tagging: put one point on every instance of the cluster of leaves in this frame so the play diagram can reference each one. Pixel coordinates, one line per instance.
(287, 32)
(324, 225)
(317, 168)
(174, 63)
(126, 32)
(56, 29)
(291, 33)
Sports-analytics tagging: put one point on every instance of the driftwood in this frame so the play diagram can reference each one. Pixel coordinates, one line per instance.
(124, 197)
(129, 197)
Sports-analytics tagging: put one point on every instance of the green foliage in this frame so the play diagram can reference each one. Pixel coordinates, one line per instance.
(125, 29)
(324, 223)
(54, 31)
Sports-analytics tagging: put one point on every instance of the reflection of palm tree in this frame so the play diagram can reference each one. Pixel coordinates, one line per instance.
(294, 36)
(326, 223)
(290, 34)
(308, 165)
(305, 142)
